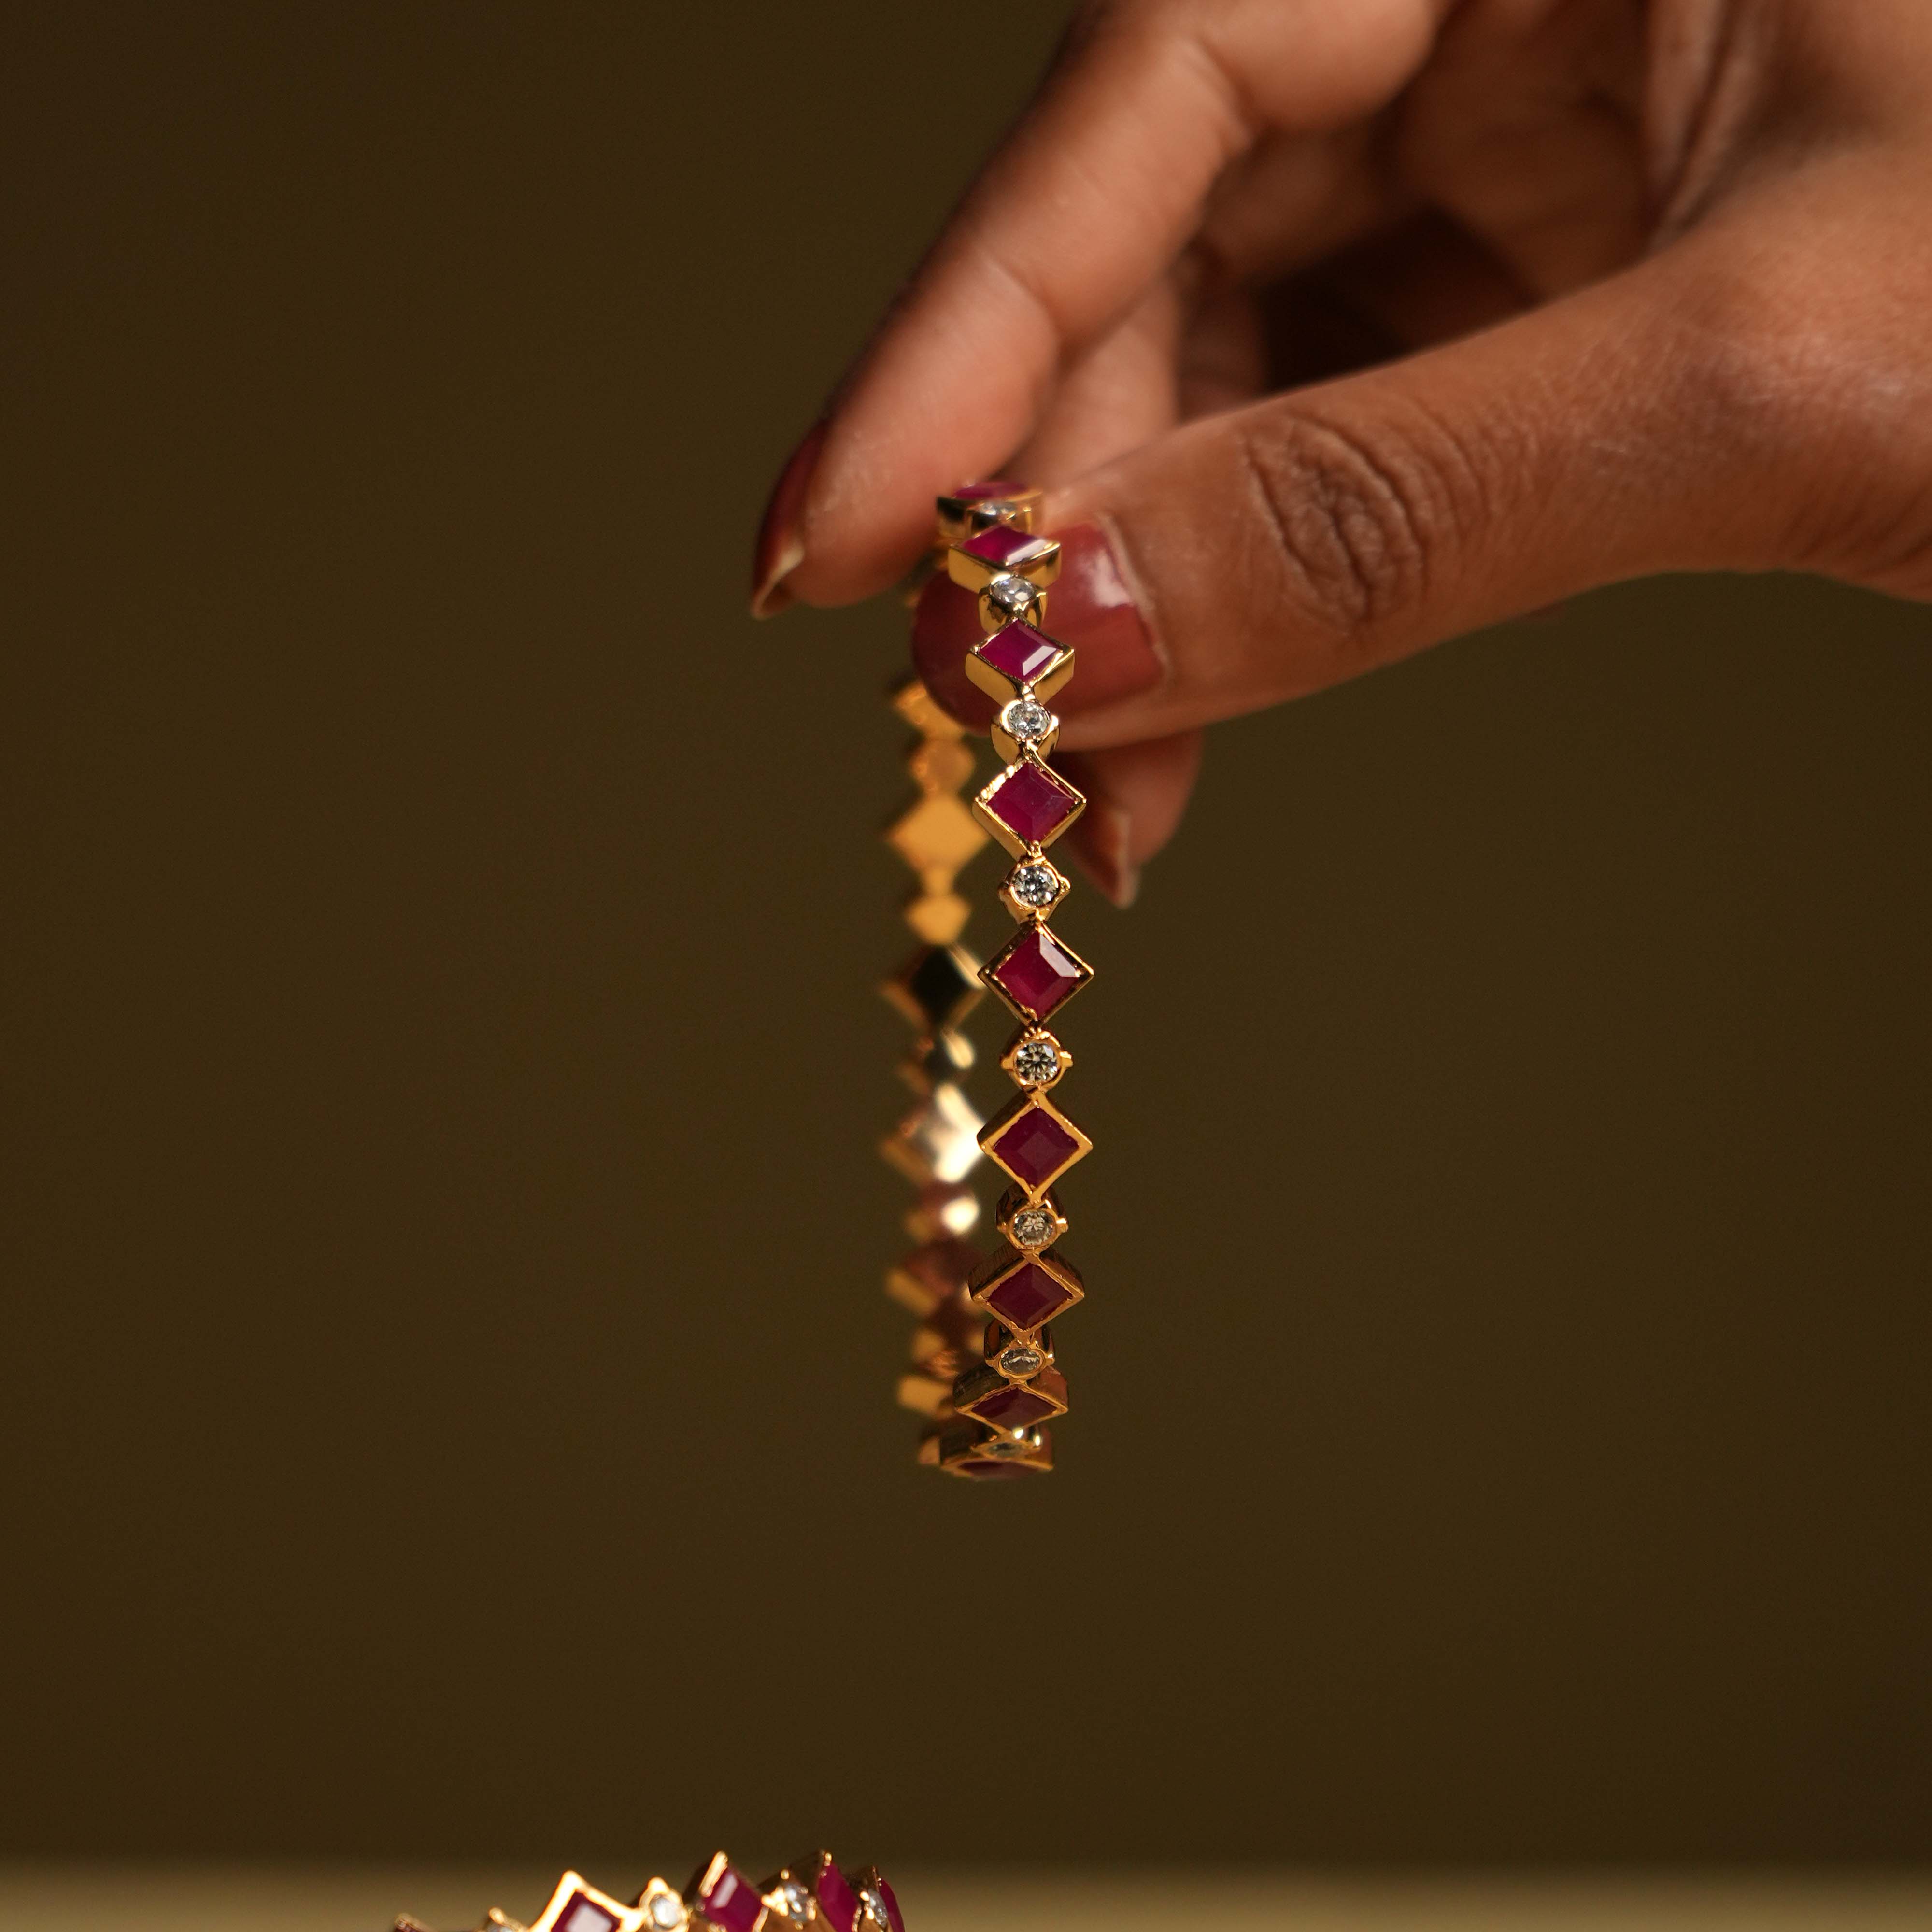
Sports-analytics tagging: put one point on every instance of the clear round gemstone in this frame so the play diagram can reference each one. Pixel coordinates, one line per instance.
(876, 1906)
(794, 1901)
(665, 1910)
(1037, 1061)
(1033, 1227)
(1036, 883)
(1021, 1360)
(1014, 595)
(1010, 1445)
(1026, 720)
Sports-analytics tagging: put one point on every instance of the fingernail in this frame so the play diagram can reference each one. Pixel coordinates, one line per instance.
(1089, 607)
(1099, 840)
(780, 548)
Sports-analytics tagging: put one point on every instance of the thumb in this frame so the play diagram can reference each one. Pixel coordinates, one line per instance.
(1279, 548)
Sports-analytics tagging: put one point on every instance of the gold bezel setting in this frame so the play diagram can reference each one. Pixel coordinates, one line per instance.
(1005, 688)
(970, 564)
(1001, 1271)
(1030, 769)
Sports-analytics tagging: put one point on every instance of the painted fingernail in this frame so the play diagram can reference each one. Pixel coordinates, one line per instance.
(780, 548)
(1089, 608)
(1099, 840)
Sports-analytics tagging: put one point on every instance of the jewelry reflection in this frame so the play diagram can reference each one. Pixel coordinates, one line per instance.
(814, 1896)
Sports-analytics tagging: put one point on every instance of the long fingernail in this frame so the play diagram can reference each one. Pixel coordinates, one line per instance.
(1099, 839)
(1089, 607)
(780, 546)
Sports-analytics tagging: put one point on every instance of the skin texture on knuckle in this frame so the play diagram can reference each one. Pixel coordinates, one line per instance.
(1359, 518)
(1803, 376)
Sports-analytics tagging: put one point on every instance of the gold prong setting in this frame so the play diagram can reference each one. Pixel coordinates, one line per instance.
(1030, 1223)
(1034, 888)
(1035, 1059)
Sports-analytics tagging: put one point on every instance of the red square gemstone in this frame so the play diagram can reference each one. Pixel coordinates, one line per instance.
(1014, 1408)
(1028, 1296)
(1034, 804)
(1004, 547)
(1035, 1148)
(1018, 653)
(838, 1902)
(1037, 973)
(584, 1914)
(727, 1898)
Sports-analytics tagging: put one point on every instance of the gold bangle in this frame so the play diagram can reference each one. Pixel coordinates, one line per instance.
(814, 1896)
(985, 1374)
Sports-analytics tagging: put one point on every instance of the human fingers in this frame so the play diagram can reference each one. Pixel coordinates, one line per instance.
(1136, 795)
(1270, 551)
(1073, 223)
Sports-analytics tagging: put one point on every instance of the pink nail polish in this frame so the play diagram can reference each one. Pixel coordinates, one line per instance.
(1088, 607)
(780, 549)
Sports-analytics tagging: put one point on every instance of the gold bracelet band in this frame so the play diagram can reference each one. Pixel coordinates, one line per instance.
(814, 1896)
(984, 1373)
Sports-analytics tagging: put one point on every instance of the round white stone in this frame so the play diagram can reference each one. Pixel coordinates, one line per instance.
(1035, 1061)
(796, 1901)
(1027, 720)
(665, 1910)
(876, 1906)
(1035, 884)
(1021, 1360)
(1013, 594)
(1033, 1227)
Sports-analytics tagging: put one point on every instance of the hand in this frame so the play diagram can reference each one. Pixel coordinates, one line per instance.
(1338, 327)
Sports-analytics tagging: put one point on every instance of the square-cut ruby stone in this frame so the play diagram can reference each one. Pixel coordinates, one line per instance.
(1004, 547)
(1019, 652)
(1037, 973)
(1034, 805)
(730, 1901)
(1035, 1147)
(584, 1914)
(1014, 1408)
(838, 1902)
(1027, 1297)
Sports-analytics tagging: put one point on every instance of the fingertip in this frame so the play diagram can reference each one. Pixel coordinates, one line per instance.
(779, 548)
(771, 593)
(1136, 795)
(1101, 842)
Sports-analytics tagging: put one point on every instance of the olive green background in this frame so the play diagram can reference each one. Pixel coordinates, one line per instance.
(446, 1400)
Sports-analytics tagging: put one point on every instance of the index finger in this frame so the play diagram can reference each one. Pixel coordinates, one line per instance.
(1089, 201)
